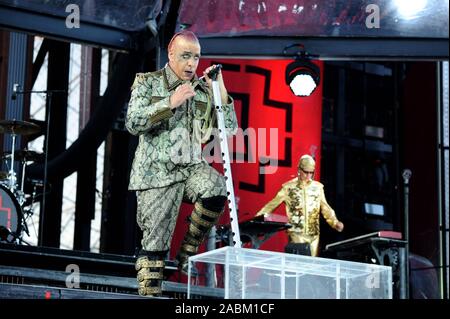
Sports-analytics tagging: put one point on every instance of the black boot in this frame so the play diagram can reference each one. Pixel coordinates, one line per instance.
(150, 268)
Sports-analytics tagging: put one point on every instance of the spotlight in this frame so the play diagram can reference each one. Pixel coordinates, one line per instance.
(410, 9)
(302, 75)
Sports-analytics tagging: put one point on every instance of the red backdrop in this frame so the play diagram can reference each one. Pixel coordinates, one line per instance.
(264, 101)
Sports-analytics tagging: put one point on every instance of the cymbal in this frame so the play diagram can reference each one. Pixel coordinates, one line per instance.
(3, 175)
(25, 155)
(18, 127)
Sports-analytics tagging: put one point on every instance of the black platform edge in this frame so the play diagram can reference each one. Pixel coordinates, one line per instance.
(59, 259)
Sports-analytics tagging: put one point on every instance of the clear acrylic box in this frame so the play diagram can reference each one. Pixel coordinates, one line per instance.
(243, 273)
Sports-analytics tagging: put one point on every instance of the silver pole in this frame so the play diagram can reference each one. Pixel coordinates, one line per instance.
(210, 267)
(226, 165)
(12, 173)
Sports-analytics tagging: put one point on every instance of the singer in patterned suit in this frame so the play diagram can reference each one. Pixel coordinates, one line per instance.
(171, 112)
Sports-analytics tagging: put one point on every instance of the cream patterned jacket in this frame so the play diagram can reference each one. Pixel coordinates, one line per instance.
(169, 140)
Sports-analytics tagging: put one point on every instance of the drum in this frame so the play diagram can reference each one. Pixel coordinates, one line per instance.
(10, 215)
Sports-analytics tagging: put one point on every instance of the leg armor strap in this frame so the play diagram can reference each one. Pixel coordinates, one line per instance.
(203, 211)
(143, 262)
(189, 248)
(150, 275)
(192, 240)
(202, 220)
(199, 220)
(145, 274)
(196, 232)
(150, 291)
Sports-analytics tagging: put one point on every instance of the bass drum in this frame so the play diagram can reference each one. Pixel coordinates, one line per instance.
(10, 215)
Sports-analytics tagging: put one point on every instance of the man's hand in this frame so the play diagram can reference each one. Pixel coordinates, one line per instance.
(183, 93)
(339, 226)
(223, 90)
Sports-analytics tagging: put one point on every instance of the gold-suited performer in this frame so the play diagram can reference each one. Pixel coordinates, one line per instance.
(305, 201)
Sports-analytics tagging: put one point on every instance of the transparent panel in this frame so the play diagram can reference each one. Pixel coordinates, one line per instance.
(127, 15)
(243, 273)
(336, 18)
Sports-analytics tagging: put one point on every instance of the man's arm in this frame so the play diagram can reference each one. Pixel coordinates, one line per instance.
(272, 205)
(145, 112)
(328, 213)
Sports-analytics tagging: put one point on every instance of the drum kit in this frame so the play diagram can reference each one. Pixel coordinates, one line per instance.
(15, 207)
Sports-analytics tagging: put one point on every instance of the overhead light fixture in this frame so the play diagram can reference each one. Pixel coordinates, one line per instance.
(410, 9)
(302, 76)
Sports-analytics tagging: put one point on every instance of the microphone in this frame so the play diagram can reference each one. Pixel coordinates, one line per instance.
(15, 91)
(213, 72)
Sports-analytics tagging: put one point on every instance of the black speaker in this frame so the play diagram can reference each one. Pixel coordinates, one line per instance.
(298, 249)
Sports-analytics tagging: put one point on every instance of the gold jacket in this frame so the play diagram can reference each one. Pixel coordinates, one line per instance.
(304, 204)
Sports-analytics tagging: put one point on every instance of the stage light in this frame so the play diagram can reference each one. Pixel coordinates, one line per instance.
(302, 75)
(410, 9)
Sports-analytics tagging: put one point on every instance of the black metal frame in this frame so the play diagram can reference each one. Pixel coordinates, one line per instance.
(329, 47)
(442, 148)
(22, 20)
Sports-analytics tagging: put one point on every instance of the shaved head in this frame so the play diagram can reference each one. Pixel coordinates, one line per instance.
(184, 54)
(186, 35)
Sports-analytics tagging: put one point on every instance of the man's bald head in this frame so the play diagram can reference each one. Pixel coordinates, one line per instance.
(183, 35)
(184, 54)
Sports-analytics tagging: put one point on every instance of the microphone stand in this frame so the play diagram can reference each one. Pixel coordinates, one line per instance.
(235, 233)
(406, 174)
(49, 94)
